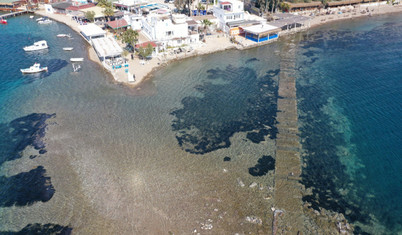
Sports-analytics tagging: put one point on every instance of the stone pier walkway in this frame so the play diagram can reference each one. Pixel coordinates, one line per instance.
(289, 216)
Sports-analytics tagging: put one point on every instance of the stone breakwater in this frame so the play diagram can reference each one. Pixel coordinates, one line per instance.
(288, 190)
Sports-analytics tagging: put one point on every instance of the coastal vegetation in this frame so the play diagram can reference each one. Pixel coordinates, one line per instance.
(90, 15)
(109, 12)
(145, 52)
(130, 37)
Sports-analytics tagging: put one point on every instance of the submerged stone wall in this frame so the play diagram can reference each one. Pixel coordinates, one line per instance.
(288, 210)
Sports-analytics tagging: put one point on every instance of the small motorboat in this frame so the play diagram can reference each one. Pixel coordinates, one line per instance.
(40, 45)
(76, 59)
(3, 21)
(34, 69)
(68, 48)
(39, 19)
(46, 21)
(31, 17)
(63, 35)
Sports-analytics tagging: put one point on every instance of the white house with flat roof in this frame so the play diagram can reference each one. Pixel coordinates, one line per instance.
(227, 11)
(91, 31)
(167, 29)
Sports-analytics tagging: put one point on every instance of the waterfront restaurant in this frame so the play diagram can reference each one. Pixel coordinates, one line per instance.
(107, 48)
(9, 5)
(261, 33)
(91, 31)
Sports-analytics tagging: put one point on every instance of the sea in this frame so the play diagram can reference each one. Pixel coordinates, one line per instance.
(192, 149)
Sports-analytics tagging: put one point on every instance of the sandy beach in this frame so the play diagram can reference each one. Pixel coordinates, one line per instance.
(143, 70)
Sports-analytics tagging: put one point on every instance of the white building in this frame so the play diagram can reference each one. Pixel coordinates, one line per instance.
(129, 5)
(228, 11)
(169, 30)
(134, 20)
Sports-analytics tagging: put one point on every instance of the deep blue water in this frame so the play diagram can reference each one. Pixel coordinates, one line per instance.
(350, 100)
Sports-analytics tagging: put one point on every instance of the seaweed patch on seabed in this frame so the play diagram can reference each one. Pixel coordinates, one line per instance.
(265, 164)
(234, 100)
(25, 188)
(323, 171)
(44, 229)
(21, 133)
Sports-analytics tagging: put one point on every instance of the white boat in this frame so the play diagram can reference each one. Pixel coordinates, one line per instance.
(47, 21)
(31, 17)
(34, 69)
(68, 48)
(62, 35)
(76, 59)
(40, 45)
(39, 19)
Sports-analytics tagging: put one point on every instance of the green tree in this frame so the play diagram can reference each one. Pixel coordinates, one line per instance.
(130, 36)
(200, 7)
(183, 5)
(109, 12)
(284, 6)
(206, 23)
(104, 3)
(90, 15)
(145, 52)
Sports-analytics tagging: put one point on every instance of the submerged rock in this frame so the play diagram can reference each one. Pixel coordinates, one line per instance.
(240, 182)
(253, 220)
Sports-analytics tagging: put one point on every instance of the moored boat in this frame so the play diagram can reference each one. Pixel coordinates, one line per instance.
(31, 17)
(34, 69)
(68, 48)
(40, 45)
(45, 21)
(3, 21)
(62, 35)
(76, 59)
(39, 19)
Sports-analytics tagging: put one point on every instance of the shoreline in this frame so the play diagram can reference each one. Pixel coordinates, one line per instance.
(214, 43)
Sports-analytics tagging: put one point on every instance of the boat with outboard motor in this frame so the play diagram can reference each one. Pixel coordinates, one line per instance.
(34, 69)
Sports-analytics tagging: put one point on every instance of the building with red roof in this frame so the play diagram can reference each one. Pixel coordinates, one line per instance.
(117, 24)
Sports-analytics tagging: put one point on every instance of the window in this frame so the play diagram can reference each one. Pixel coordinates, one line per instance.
(169, 33)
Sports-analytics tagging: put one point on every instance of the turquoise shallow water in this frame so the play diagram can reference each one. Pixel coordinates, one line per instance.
(92, 157)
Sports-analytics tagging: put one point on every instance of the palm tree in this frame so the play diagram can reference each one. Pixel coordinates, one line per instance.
(206, 24)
